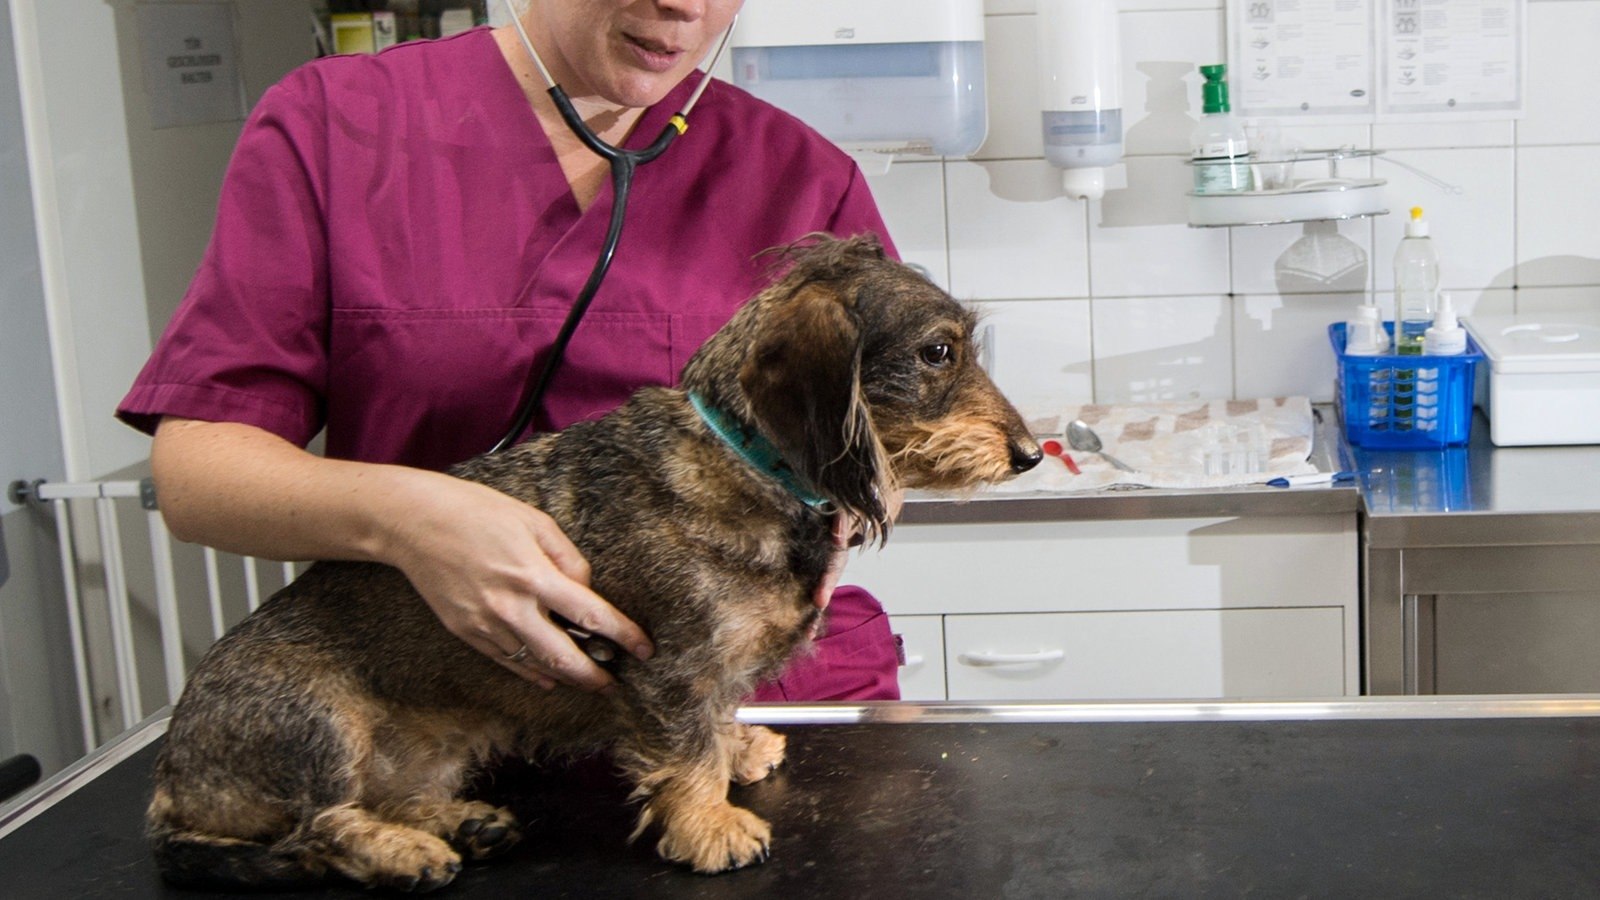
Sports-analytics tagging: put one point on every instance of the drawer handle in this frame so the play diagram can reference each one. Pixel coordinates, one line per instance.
(914, 659)
(1010, 659)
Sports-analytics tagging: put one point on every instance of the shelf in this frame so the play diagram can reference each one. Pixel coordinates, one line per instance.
(1326, 197)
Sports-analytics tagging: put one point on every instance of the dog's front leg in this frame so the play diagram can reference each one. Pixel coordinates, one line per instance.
(683, 780)
(753, 751)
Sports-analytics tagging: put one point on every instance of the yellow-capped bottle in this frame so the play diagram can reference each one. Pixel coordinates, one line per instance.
(1416, 285)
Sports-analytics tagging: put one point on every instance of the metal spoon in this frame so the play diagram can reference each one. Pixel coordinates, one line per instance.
(1082, 437)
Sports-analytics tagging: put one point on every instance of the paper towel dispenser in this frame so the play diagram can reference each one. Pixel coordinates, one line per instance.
(873, 76)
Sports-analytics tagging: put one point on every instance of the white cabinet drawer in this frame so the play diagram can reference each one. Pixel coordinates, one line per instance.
(1114, 565)
(922, 677)
(1169, 654)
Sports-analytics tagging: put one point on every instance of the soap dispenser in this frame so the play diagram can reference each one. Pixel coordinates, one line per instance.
(1080, 91)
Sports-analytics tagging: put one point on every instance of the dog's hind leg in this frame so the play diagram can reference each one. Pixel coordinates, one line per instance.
(475, 829)
(363, 847)
(200, 860)
(425, 759)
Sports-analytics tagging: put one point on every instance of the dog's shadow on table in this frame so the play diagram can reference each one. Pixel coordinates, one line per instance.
(577, 818)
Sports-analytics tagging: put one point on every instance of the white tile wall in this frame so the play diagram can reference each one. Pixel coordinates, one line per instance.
(1013, 233)
(1142, 245)
(1042, 349)
(1120, 300)
(1558, 215)
(1162, 348)
(1473, 231)
(1282, 343)
(911, 198)
(1563, 71)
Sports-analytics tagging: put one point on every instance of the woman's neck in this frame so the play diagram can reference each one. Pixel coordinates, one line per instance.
(586, 172)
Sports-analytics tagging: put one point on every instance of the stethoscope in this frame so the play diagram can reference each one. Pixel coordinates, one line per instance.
(623, 163)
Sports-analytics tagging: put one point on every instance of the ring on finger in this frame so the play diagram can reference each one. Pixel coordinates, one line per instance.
(519, 655)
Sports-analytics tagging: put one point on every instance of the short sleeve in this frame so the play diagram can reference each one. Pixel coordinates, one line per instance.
(857, 213)
(248, 343)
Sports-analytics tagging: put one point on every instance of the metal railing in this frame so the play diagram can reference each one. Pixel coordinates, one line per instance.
(107, 499)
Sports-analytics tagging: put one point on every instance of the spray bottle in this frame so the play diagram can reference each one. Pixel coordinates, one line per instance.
(1445, 337)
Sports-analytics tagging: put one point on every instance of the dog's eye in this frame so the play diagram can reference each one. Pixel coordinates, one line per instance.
(936, 354)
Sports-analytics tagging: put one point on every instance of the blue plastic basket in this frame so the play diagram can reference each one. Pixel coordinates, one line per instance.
(1405, 402)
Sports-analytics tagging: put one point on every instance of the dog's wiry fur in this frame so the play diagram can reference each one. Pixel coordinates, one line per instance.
(334, 729)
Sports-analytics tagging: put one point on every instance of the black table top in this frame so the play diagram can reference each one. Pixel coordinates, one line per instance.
(1388, 808)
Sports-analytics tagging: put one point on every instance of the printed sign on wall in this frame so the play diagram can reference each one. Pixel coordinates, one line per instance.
(191, 63)
(1461, 56)
(1377, 60)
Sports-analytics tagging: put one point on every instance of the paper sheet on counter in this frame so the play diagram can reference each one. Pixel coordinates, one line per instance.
(1168, 444)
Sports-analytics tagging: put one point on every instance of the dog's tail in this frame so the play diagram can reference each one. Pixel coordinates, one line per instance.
(195, 860)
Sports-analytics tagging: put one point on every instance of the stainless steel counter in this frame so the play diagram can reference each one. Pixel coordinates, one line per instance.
(1480, 494)
(1478, 521)
(1328, 709)
(1507, 532)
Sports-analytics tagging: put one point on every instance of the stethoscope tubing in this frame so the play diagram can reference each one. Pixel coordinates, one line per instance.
(623, 164)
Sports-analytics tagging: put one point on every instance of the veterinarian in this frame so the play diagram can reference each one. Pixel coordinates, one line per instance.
(398, 239)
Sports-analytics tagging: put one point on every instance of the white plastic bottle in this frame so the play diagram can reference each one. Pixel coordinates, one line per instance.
(1364, 334)
(1416, 283)
(1221, 150)
(1445, 337)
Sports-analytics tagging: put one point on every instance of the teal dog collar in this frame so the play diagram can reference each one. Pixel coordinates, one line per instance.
(756, 450)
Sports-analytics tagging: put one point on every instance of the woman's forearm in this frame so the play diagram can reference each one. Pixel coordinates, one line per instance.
(245, 490)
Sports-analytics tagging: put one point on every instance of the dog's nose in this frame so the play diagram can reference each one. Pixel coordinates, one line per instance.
(1025, 458)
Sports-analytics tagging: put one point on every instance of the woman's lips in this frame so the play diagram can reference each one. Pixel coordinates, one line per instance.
(652, 55)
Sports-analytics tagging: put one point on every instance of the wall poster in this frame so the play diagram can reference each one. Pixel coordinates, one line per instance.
(191, 63)
(1377, 60)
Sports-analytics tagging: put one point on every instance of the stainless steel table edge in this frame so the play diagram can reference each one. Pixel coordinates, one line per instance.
(1140, 503)
(1510, 706)
(53, 790)
(1480, 528)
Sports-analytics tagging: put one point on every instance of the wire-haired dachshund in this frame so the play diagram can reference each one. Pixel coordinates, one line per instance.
(334, 729)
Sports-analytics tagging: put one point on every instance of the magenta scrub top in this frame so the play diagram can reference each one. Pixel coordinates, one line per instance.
(396, 247)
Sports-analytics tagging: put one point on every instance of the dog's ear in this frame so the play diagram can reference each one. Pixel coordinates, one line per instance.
(803, 382)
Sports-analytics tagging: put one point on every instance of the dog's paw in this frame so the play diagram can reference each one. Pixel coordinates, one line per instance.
(757, 753)
(416, 863)
(717, 840)
(486, 831)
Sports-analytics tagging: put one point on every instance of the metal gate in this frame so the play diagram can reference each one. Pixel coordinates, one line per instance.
(120, 569)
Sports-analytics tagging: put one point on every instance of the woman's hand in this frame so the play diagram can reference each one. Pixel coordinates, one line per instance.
(847, 531)
(493, 569)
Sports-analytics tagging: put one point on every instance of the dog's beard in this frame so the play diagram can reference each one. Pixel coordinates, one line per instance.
(949, 456)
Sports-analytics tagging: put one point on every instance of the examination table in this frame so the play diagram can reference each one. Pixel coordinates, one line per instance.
(1360, 797)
